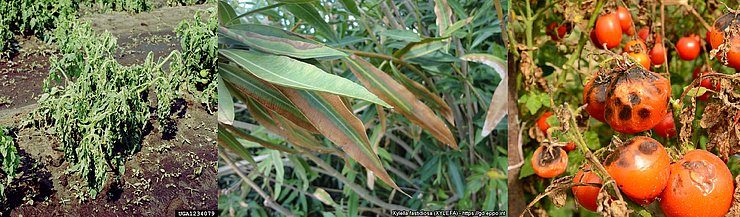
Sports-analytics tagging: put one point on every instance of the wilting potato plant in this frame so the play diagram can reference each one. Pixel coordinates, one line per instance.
(98, 108)
(9, 158)
(350, 108)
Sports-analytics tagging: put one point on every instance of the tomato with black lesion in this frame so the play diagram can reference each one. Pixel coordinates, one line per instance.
(637, 100)
(700, 184)
(549, 161)
(640, 167)
(594, 95)
(729, 54)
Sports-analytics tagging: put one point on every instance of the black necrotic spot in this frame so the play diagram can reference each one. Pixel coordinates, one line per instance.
(625, 113)
(634, 98)
(643, 113)
(648, 147)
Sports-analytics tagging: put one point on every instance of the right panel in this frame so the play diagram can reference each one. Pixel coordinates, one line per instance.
(624, 108)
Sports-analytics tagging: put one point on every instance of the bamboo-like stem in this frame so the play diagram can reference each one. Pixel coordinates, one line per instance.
(363, 193)
(268, 201)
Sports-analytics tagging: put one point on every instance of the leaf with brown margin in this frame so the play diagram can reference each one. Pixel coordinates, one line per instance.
(277, 41)
(403, 101)
(435, 101)
(292, 133)
(243, 84)
(497, 109)
(338, 124)
(245, 136)
(444, 16)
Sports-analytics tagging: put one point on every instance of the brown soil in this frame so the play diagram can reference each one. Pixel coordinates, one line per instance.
(172, 171)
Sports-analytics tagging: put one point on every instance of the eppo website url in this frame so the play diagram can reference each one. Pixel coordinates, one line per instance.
(446, 213)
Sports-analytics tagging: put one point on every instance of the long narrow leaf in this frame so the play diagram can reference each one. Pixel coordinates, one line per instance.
(244, 83)
(292, 73)
(226, 14)
(309, 14)
(339, 125)
(402, 99)
(277, 41)
(497, 109)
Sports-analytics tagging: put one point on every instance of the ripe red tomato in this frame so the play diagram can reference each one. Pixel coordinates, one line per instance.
(548, 165)
(635, 46)
(641, 58)
(733, 54)
(586, 195)
(570, 146)
(608, 30)
(657, 54)
(625, 19)
(705, 83)
(643, 33)
(556, 32)
(595, 40)
(636, 101)
(640, 167)
(594, 94)
(688, 48)
(700, 184)
(666, 128)
(717, 37)
(542, 122)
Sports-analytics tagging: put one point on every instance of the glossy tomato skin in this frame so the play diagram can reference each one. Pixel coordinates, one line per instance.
(733, 54)
(657, 54)
(636, 101)
(700, 184)
(542, 122)
(666, 128)
(643, 33)
(595, 40)
(548, 166)
(608, 30)
(625, 20)
(586, 195)
(641, 58)
(594, 94)
(640, 167)
(688, 48)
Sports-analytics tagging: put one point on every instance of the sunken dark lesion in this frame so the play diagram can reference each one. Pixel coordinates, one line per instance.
(544, 158)
(724, 21)
(643, 113)
(648, 147)
(625, 113)
(634, 98)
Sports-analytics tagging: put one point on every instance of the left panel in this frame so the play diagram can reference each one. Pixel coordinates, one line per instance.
(107, 107)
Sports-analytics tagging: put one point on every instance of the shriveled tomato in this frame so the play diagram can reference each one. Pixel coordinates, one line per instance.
(657, 54)
(688, 48)
(641, 58)
(640, 166)
(636, 101)
(644, 33)
(542, 122)
(570, 146)
(586, 195)
(700, 184)
(666, 128)
(707, 83)
(594, 94)
(556, 32)
(635, 46)
(625, 20)
(549, 163)
(608, 30)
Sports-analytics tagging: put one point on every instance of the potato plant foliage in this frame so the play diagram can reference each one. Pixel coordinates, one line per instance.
(199, 45)
(100, 112)
(9, 158)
